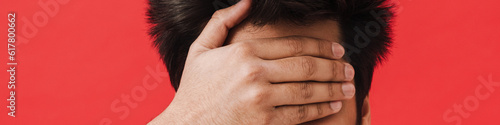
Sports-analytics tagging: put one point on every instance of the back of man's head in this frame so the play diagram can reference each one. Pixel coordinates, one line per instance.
(364, 26)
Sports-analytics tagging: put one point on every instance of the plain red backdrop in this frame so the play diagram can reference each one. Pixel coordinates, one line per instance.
(89, 54)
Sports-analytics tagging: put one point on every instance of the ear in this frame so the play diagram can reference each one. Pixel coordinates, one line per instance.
(365, 111)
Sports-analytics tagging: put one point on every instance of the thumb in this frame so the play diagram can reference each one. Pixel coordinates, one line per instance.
(215, 32)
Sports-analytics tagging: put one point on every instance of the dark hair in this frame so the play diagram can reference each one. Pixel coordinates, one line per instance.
(364, 27)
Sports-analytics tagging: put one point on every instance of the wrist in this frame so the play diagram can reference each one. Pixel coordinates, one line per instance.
(168, 117)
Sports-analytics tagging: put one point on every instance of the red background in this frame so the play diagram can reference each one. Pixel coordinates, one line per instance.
(89, 53)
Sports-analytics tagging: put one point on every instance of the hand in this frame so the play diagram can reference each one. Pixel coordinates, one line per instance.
(252, 82)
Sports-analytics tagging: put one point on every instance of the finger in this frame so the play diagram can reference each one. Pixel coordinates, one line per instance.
(310, 92)
(287, 115)
(215, 32)
(306, 68)
(277, 48)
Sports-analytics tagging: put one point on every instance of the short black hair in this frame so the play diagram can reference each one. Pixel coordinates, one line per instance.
(364, 24)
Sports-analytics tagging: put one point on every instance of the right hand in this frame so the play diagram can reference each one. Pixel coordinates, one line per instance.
(258, 81)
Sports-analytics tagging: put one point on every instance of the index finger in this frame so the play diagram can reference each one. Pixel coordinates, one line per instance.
(290, 46)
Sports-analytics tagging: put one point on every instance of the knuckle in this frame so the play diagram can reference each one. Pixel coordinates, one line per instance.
(252, 71)
(217, 14)
(330, 90)
(308, 66)
(305, 90)
(242, 48)
(295, 45)
(217, 18)
(301, 113)
(322, 47)
(336, 71)
(257, 95)
(319, 109)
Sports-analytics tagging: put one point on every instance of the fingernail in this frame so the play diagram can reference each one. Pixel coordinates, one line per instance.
(336, 105)
(348, 90)
(338, 50)
(348, 72)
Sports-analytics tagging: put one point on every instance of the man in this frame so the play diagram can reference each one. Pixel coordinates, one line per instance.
(270, 61)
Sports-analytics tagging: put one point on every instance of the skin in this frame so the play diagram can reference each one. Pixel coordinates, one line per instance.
(258, 79)
(325, 29)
